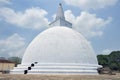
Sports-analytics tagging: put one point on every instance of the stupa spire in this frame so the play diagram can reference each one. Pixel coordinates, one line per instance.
(60, 12)
(60, 18)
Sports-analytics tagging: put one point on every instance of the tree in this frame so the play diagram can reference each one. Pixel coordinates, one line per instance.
(16, 60)
(113, 66)
(103, 60)
(115, 56)
(112, 60)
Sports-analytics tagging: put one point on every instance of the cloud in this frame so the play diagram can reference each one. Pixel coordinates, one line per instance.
(91, 4)
(33, 18)
(12, 46)
(3, 2)
(106, 52)
(88, 24)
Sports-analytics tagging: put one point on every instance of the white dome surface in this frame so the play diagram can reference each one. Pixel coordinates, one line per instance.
(59, 45)
(58, 50)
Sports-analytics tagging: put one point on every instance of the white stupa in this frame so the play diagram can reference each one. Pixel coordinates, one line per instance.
(58, 50)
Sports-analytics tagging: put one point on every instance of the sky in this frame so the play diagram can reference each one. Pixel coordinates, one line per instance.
(22, 20)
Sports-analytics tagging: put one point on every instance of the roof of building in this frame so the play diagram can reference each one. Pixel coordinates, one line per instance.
(5, 61)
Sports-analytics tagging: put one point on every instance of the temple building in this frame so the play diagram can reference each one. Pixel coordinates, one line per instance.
(6, 66)
(59, 50)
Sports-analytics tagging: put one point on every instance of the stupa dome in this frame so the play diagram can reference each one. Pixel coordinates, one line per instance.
(58, 50)
(59, 45)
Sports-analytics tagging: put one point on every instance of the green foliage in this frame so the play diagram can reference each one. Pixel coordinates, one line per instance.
(103, 60)
(113, 66)
(115, 56)
(16, 60)
(112, 60)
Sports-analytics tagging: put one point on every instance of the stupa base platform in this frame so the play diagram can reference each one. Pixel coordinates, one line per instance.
(67, 69)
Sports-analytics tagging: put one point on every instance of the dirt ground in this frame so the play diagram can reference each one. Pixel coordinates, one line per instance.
(59, 77)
